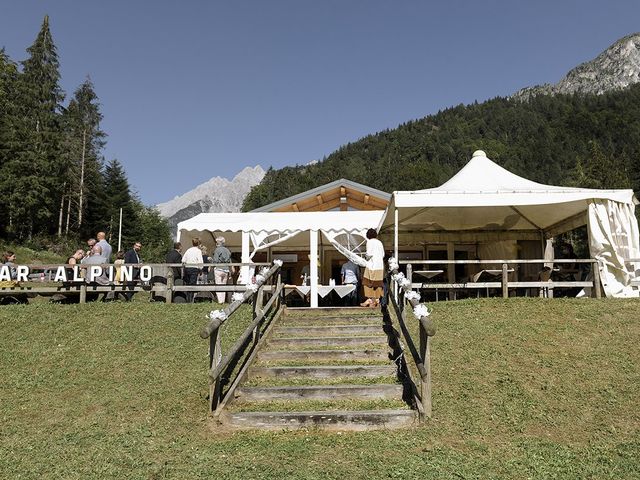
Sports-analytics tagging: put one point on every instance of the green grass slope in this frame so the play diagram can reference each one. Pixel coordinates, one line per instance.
(523, 388)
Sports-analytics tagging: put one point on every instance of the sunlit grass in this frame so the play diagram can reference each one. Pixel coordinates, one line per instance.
(522, 388)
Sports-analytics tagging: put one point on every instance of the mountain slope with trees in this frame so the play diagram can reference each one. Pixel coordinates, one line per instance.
(579, 140)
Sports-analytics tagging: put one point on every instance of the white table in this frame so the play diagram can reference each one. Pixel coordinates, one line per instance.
(428, 273)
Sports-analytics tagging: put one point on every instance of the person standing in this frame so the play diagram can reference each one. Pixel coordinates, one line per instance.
(192, 256)
(351, 276)
(221, 273)
(374, 271)
(106, 248)
(133, 257)
(175, 256)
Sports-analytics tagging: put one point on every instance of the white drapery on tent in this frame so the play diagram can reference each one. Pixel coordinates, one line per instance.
(485, 198)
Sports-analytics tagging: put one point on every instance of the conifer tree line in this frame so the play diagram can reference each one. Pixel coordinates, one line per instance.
(572, 140)
(54, 180)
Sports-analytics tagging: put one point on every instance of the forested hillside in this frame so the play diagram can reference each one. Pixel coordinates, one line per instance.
(589, 141)
(54, 181)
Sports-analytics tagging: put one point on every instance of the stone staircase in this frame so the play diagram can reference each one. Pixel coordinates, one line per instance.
(327, 368)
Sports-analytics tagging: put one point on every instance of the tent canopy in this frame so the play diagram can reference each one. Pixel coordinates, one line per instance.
(483, 196)
(262, 225)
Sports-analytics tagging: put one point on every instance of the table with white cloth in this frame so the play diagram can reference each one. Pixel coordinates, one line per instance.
(323, 290)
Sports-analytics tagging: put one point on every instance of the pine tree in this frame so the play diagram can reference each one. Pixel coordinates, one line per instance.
(117, 195)
(8, 118)
(36, 166)
(83, 145)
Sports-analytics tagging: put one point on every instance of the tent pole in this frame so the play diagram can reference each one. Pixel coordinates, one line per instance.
(244, 270)
(313, 267)
(395, 234)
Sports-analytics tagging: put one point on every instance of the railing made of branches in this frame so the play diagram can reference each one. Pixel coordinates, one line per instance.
(420, 355)
(223, 365)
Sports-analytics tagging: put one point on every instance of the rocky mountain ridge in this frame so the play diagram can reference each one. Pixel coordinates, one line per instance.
(215, 195)
(614, 69)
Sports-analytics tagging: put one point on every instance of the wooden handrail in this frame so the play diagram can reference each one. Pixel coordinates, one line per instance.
(232, 307)
(215, 372)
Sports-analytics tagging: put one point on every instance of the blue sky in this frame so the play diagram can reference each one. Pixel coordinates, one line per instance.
(195, 89)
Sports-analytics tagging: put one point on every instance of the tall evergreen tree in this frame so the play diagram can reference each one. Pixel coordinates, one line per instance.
(8, 118)
(36, 167)
(117, 195)
(84, 141)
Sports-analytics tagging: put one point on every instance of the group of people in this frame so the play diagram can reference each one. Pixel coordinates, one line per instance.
(191, 272)
(99, 252)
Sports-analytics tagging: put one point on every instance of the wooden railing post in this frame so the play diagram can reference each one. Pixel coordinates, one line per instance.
(425, 383)
(168, 296)
(595, 266)
(83, 292)
(215, 355)
(505, 281)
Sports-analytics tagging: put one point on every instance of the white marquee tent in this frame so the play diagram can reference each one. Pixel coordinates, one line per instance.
(255, 231)
(486, 198)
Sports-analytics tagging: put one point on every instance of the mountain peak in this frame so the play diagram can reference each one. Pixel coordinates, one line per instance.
(614, 69)
(217, 194)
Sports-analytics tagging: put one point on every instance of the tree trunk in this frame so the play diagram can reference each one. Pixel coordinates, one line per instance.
(61, 214)
(66, 230)
(81, 193)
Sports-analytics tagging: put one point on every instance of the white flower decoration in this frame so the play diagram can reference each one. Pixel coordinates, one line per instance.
(237, 297)
(260, 279)
(253, 287)
(398, 276)
(217, 314)
(404, 283)
(393, 263)
(421, 311)
(277, 262)
(411, 295)
(264, 271)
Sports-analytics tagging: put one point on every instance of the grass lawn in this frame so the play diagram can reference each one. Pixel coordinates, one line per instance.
(523, 388)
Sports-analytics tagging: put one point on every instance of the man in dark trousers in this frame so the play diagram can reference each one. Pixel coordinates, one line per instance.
(133, 257)
(175, 256)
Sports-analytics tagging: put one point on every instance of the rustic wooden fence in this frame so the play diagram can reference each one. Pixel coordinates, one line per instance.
(544, 283)
(223, 366)
(161, 284)
(420, 356)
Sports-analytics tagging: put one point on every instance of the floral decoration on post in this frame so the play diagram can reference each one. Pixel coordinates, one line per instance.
(237, 297)
(253, 287)
(411, 295)
(393, 264)
(277, 262)
(404, 283)
(398, 277)
(217, 314)
(260, 279)
(264, 271)
(421, 310)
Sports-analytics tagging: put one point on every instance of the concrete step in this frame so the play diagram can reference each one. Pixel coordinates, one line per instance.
(328, 330)
(322, 355)
(328, 420)
(318, 392)
(329, 342)
(323, 371)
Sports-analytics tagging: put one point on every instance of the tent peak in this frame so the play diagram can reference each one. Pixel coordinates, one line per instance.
(479, 153)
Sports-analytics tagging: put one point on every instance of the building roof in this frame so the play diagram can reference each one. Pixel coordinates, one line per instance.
(341, 194)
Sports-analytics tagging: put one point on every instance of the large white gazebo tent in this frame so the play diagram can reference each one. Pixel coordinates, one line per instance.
(484, 200)
(258, 231)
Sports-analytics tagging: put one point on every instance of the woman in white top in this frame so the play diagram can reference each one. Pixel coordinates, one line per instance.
(374, 271)
(192, 256)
